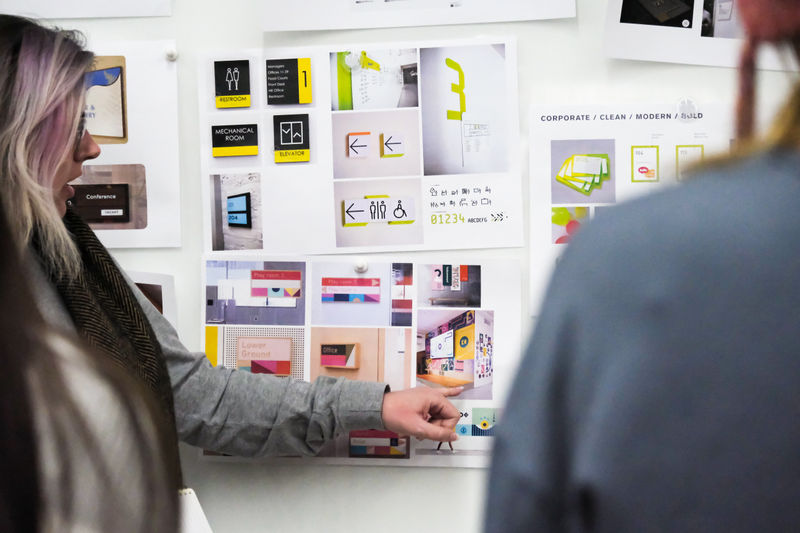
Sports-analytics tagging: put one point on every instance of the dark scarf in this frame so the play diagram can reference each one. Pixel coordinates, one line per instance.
(107, 314)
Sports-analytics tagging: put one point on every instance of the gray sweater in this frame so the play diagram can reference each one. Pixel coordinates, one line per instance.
(661, 389)
(241, 413)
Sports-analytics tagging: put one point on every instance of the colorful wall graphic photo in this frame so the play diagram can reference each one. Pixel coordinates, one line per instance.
(449, 285)
(402, 293)
(255, 293)
(105, 110)
(477, 422)
(265, 355)
(345, 297)
(365, 354)
(111, 196)
(582, 171)
(455, 348)
(566, 221)
(677, 13)
(374, 79)
(464, 109)
(236, 212)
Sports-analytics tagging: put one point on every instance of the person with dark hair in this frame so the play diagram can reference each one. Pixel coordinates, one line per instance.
(80, 289)
(673, 407)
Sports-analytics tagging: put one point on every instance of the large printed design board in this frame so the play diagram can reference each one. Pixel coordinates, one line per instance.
(585, 159)
(344, 14)
(697, 32)
(350, 148)
(418, 330)
(130, 195)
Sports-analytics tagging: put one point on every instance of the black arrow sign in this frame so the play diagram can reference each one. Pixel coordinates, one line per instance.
(387, 143)
(353, 147)
(353, 210)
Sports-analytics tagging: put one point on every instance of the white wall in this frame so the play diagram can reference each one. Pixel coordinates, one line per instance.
(560, 62)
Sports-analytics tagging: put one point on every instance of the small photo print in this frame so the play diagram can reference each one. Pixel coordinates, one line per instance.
(449, 285)
(274, 351)
(566, 221)
(105, 108)
(464, 109)
(582, 171)
(721, 19)
(455, 348)
(376, 143)
(374, 79)
(379, 355)
(236, 212)
(402, 293)
(377, 212)
(255, 293)
(383, 355)
(668, 13)
(111, 197)
(344, 297)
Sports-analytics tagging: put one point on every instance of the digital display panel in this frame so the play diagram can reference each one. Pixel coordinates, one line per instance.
(239, 219)
(442, 345)
(238, 203)
(239, 211)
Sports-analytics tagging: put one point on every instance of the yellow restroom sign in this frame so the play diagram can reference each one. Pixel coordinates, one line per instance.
(234, 140)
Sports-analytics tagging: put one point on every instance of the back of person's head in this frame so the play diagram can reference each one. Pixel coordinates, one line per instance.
(81, 445)
(42, 94)
(776, 22)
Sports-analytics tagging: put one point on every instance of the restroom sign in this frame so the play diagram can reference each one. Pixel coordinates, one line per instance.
(378, 209)
(232, 83)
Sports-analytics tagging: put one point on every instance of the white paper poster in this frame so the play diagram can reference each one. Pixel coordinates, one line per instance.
(344, 14)
(585, 159)
(696, 32)
(130, 195)
(440, 324)
(350, 148)
(64, 9)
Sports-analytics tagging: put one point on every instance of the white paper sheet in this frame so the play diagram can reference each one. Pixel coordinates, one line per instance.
(456, 173)
(151, 95)
(696, 37)
(484, 337)
(64, 9)
(667, 137)
(342, 14)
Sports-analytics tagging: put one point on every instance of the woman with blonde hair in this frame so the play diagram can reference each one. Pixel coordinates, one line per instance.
(80, 289)
(675, 408)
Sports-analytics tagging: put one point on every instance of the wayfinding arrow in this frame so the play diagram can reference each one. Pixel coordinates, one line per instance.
(349, 209)
(389, 145)
(353, 145)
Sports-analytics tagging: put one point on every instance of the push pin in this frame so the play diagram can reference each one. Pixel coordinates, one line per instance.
(361, 265)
